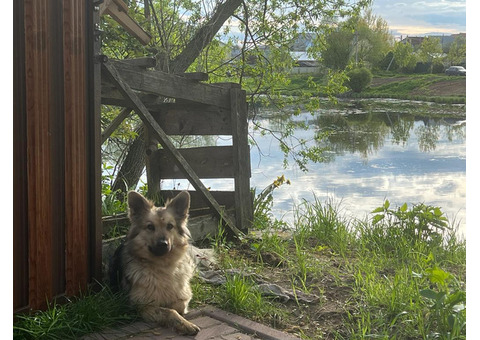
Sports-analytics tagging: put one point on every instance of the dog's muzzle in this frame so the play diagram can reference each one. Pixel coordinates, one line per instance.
(159, 249)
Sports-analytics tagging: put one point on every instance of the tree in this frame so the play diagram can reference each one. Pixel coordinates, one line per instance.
(457, 53)
(186, 35)
(404, 56)
(430, 50)
(338, 49)
(365, 39)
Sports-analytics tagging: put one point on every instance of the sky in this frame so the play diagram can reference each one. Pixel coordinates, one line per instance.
(427, 17)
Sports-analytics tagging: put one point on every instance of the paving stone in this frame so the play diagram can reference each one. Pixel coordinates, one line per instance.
(205, 322)
(215, 332)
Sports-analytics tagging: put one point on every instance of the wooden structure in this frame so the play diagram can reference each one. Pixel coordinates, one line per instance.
(58, 70)
(56, 139)
(199, 109)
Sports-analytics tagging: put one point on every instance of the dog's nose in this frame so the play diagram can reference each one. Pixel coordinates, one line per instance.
(160, 248)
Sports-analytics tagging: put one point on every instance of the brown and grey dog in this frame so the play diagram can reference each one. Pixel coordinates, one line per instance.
(154, 264)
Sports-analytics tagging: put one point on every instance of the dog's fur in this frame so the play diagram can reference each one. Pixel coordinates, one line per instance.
(155, 262)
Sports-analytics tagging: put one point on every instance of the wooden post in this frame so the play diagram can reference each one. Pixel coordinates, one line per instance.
(241, 159)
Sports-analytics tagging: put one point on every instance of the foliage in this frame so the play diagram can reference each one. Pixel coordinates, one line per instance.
(111, 205)
(404, 56)
(430, 49)
(86, 314)
(458, 51)
(359, 79)
(421, 223)
(380, 280)
(337, 50)
(365, 39)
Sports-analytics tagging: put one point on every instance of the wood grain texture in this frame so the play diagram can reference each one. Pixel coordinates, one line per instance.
(38, 106)
(75, 101)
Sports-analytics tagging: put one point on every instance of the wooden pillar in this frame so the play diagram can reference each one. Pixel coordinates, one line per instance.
(241, 159)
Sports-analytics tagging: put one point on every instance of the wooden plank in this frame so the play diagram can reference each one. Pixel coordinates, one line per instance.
(39, 178)
(118, 11)
(94, 149)
(144, 62)
(75, 111)
(197, 201)
(194, 76)
(241, 159)
(115, 123)
(20, 194)
(206, 162)
(158, 133)
(178, 119)
(173, 86)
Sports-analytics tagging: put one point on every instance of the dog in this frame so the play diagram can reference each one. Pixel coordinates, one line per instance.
(155, 264)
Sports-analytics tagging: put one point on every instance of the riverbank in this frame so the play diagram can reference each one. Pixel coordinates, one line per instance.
(333, 278)
(437, 88)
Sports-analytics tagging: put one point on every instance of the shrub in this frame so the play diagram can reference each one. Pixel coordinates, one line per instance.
(438, 67)
(359, 79)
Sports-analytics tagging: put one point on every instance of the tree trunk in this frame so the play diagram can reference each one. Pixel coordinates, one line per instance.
(132, 166)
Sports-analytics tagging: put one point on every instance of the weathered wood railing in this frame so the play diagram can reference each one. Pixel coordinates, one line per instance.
(199, 109)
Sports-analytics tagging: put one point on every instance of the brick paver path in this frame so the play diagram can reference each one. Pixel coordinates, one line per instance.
(214, 324)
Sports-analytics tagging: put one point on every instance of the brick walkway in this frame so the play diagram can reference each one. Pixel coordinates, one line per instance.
(214, 324)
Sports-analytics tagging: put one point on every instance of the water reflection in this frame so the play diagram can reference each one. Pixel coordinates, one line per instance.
(370, 155)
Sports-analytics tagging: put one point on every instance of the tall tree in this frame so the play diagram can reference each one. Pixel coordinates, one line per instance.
(457, 54)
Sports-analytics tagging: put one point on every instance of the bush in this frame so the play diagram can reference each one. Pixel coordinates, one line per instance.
(359, 79)
(438, 67)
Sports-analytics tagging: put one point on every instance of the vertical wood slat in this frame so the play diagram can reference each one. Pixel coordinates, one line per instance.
(94, 144)
(38, 84)
(241, 159)
(75, 145)
(20, 193)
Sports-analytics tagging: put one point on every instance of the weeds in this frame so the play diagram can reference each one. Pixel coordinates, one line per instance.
(88, 313)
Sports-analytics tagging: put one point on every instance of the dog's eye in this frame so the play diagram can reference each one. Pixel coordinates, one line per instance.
(151, 227)
(169, 226)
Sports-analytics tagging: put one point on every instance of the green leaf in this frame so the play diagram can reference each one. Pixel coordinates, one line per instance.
(377, 210)
(377, 218)
(437, 275)
(404, 207)
(429, 294)
(386, 205)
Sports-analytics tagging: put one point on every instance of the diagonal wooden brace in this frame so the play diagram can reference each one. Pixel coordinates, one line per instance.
(162, 137)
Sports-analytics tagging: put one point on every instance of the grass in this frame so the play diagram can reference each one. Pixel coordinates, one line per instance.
(88, 313)
(398, 274)
(406, 86)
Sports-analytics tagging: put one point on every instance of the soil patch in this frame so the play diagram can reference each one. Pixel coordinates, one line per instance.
(446, 88)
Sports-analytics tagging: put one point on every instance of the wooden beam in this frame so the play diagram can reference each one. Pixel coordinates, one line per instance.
(145, 62)
(173, 86)
(207, 162)
(118, 10)
(162, 137)
(115, 123)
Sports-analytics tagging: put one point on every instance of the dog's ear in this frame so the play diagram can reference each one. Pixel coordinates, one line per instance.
(137, 204)
(180, 205)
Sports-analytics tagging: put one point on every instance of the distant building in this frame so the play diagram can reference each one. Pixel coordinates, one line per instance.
(445, 40)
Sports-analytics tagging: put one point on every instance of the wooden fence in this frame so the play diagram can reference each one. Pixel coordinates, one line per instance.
(199, 109)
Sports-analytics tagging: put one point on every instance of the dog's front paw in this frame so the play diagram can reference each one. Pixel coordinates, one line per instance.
(187, 328)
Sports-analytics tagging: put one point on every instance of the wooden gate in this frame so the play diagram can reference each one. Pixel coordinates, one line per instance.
(199, 109)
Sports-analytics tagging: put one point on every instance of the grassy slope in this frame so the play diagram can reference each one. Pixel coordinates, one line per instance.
(380, 280)
(426, 87)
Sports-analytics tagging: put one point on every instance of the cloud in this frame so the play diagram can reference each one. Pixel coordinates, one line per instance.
(421, 17)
